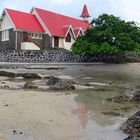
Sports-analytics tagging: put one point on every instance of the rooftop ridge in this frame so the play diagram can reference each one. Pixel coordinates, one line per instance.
(60, 14)
(18, 11)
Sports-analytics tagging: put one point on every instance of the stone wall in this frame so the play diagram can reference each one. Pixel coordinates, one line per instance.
(63, 56)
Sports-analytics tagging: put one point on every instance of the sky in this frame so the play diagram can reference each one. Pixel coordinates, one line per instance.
(126, 9)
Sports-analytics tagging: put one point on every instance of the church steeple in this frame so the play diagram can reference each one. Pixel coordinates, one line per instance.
(85, 14)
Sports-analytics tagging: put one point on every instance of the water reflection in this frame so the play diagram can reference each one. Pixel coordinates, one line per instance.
(94, 113)
(92, 106)
(82, 113)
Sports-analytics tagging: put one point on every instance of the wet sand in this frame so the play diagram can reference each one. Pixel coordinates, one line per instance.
(73, 115)
(38, 116)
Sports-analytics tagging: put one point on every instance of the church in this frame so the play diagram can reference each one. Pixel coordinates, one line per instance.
(40, 29)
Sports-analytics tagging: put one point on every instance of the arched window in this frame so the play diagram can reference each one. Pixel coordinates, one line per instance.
(68, 38)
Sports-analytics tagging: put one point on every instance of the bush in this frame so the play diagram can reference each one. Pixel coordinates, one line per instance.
(110, 34)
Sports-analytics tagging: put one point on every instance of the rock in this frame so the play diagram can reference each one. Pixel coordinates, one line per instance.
(7, 74)
(30, 85)
(6, 105)
(29, 75)
(21, 133)
(133, 137)
(62, 86)
(133, 94)
(24, 75)
(14, 131)
(59, 84)
(48, 68)
(88, 85)
(135, 98)
(119, 98)
(6, 87)
(132, 125)
(3, 82)
(53, 80)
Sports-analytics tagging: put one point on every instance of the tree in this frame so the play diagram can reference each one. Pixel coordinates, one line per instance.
(110, 34)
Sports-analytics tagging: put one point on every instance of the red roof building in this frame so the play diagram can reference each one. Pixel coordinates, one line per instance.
(55, 22)
(45, 28)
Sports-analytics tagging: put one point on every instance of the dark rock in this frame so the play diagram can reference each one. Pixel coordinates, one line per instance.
(6, 87)
(119, 98)
(48, 68)
(133, 137)
(30, 85)
(59, 84)
(20, 133)
(53, 80)
(24, 75)
(7, 74)
(6, 105)
(136, 98)
(29, 75)
(136, 95)
(132, 125)
(62, 86)
(133, 93)
(14, 131)
(46, 77)
(88, 85)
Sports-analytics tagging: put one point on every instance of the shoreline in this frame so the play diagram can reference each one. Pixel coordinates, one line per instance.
(47, 114)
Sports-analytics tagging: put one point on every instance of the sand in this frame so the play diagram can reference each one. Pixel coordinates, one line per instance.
(37, 116)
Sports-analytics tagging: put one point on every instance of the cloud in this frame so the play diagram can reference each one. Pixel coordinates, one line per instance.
(126, 9)
(62, 2)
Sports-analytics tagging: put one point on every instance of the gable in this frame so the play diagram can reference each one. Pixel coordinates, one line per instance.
(70, 32)
(81, 33)
(33, 11)
(24, 21)
(78, 32)
(6, 22)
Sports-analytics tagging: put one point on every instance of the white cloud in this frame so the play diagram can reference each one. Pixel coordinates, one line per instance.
(127, 9)
(63, 2)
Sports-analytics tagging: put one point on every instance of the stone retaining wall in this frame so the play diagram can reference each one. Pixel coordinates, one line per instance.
(62, 56)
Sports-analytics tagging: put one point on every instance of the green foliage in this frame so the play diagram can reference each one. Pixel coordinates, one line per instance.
(110, 34)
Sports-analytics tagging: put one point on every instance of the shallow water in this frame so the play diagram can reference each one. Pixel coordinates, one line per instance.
(91, 104)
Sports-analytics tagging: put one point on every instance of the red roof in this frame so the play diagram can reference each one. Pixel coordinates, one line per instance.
(56, 22)
(25, 21)
(85, 12)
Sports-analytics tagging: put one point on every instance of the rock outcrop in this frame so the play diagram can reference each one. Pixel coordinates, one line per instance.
(133, 137)
(7, 74)
(119, 98)
(29, 75)
(55, 83)
(132, 127)
(24, 75)
(30, 85)
(130, 95)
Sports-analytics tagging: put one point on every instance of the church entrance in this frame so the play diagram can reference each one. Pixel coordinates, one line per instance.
(56, 42)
